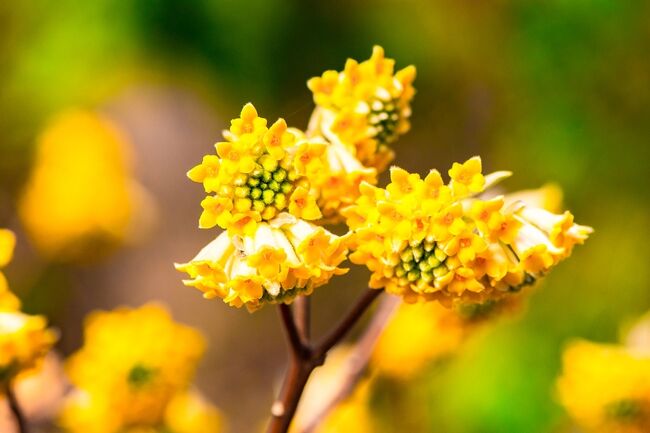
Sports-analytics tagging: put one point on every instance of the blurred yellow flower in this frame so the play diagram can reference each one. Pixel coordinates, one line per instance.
(281, 259)
(24, 342)
(606, 388)
(81, 196)
(189, 412)
(8, 301)
(416, 335)
(424, 240)
(7, 245)
(351, 415)
(133, 363)
(365, 107)
(258, 172)
(419, 334)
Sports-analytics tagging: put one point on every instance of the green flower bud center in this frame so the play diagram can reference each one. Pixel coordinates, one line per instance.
(267, 188)
(627, 410)
(140, 375)
(420, 263)
(384, 117)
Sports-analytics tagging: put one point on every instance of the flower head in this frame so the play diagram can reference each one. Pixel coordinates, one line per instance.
(425, 240)
(131, 366)
(365, 107)
(189, 412)
(258, 172)
(606, 388)
(281, 259)
(81, 192)
(24, 342)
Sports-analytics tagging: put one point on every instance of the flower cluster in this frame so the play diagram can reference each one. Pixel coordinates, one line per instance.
(133, 373)
(365, 107)
(425, 240)
(283, 258)
(267, 183)
(81, 192)
(24, 339)
(606, 388)
(258, 172)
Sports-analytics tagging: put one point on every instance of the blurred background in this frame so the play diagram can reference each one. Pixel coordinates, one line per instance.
(555, 90)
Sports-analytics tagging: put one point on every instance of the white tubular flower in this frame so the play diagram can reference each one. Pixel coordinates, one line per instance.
(283, 258)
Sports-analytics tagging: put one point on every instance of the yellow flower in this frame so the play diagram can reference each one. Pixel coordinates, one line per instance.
(309, 157)
(248, 123)
(337, 181)
(207, 173)
(606, 388)
(7, 245)
(365, 107)
(281, 259)
(303, 205)
(24, 342)
(415, 336)
(276, 141)
(419, 334)
(466, 178)
(425, 240)
(132, 364)
(466, 245)
(8, 301)
(258, 172)
(81, 193)
(189, 412)
(486, 215)
(354, 414)
(216, 211)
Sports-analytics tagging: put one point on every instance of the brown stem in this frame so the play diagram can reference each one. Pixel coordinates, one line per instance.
(16, 411)
(353, 369)
(284, 408)
(291, 331)
(304, 359)
(302, 309)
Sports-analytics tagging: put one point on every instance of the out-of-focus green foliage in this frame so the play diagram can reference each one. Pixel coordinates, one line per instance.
(553, 90)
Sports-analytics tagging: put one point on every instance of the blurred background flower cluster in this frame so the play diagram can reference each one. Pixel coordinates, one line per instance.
(105, 105)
